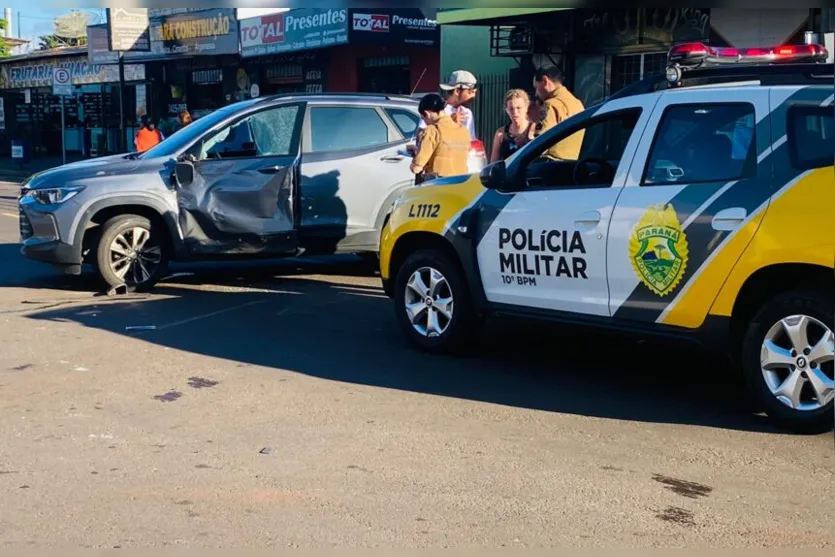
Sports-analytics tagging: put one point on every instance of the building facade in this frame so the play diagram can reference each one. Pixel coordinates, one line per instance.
(204, 58)
(602, 50)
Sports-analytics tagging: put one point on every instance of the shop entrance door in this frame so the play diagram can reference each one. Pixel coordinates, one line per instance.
(389, 75)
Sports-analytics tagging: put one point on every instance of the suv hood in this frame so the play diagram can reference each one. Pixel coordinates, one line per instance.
(112, 165)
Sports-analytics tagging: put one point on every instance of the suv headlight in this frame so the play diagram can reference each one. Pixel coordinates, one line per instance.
(53, 196)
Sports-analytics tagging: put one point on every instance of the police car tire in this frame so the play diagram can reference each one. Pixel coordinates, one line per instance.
(465, 324)
(806, 302)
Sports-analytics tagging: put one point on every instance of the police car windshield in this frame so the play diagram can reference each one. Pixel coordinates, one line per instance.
(185, 136)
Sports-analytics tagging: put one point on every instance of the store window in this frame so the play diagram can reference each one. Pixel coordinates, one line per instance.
(345, 128)
(385, 74)
(631, 68)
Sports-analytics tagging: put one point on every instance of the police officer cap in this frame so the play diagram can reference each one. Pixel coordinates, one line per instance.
(432, 103)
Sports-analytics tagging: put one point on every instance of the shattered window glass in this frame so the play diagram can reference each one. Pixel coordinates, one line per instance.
(273, 130)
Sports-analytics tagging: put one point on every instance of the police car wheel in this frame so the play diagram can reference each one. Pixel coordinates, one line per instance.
(788, 356)
(432, 302)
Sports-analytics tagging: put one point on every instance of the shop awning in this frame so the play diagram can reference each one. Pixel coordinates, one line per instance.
(480, 16)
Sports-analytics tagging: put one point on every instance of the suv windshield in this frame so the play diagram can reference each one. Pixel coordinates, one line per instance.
(185, 136)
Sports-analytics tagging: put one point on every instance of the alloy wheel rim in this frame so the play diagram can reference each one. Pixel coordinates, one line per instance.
(429, 302)
(135, 256)
(797, 361)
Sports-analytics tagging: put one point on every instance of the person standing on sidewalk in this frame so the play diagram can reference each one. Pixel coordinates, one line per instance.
(516, 134)
(461, 90)
(444, 145)
(558, 104)
(148, 135)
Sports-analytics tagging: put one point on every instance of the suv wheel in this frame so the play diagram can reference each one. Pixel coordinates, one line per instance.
(432, 302)
(788, 355)
(130, 252)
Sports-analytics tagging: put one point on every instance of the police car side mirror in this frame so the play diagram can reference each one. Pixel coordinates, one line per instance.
(494, 176)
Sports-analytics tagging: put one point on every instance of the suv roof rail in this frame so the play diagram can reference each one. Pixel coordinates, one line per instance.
(385, 96)
(765, 74)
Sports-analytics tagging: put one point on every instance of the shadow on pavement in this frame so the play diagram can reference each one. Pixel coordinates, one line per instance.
(336, 330)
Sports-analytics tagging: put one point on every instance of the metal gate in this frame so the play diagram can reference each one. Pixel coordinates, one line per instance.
(488, 107)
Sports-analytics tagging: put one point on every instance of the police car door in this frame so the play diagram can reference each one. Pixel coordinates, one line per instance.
(699, 178)
(544, 247)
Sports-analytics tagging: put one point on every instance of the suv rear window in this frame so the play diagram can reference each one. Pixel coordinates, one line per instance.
(407, 122)
(811, 137)
(702, 143)
(346, 128)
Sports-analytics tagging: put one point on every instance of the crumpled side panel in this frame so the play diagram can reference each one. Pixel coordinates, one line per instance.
(233, 200)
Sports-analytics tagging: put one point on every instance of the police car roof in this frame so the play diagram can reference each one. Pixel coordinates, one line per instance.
(755, 74)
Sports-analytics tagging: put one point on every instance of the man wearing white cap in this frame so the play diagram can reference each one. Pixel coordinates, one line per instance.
(461, 90)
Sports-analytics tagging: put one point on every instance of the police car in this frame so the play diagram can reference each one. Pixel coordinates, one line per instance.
(699, 208)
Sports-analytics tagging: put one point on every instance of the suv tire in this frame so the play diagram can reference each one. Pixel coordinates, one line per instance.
(813, 304)
(464, 324)
(124, 228)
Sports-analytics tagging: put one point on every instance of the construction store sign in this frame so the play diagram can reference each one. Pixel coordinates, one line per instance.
(209, 32)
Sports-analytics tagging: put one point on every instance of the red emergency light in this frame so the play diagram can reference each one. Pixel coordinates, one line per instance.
(689, 55)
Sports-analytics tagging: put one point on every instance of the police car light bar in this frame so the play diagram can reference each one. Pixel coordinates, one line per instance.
(689, 56)
(694, 55)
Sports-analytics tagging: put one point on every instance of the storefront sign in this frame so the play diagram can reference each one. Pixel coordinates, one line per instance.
(165, 12)
(296, 30)
(82, 72)
(128, 29)
(614, 28)
(98, 47)
(208, 32)
(407, 26)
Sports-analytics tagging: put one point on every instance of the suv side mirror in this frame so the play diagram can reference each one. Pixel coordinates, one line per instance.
(184, 174)
(494, 176)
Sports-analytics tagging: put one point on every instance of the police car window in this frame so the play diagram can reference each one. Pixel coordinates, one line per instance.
(407, 122)
(811, 137)
(703, 143)
(345, 128)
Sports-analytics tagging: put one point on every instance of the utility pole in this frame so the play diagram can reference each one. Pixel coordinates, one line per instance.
(123, 124)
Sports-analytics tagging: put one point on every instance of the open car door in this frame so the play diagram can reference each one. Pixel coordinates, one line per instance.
(238, 187)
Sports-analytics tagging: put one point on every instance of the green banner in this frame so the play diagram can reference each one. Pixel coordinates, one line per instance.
(463, 15)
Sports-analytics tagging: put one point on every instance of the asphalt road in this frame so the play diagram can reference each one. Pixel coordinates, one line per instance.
(277, 405)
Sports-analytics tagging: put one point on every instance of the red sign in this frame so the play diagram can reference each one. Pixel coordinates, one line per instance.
(375, 23)
(264, 30)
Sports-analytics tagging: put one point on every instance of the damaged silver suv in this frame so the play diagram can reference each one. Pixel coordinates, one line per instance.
(270, 177)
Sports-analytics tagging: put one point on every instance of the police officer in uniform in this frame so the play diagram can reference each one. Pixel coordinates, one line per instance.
(444, 145)
(557, 104)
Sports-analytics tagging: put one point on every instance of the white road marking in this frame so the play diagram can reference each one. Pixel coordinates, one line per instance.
(11, 216)
(213, 314)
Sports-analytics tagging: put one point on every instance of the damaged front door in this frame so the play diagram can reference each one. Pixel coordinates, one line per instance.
(242, 198)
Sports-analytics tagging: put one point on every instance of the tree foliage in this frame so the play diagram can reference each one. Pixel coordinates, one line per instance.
(48, 42)
(5, 49)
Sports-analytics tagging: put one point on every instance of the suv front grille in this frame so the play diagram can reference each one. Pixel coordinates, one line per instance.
(26, 231)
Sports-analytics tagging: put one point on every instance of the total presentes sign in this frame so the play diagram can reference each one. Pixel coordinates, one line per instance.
(407, 26)
(294, 31)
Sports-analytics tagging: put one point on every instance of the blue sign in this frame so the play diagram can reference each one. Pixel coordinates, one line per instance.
(293, 31)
